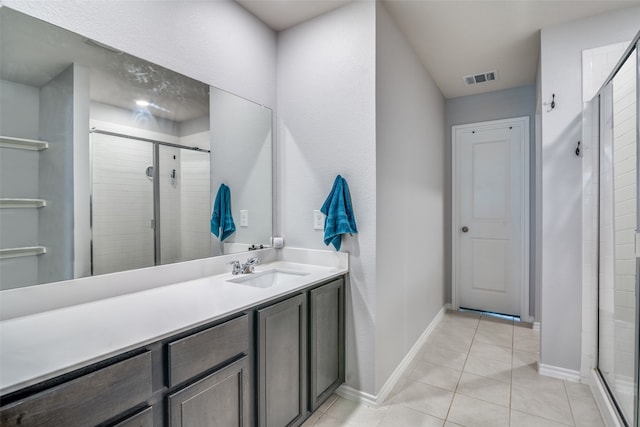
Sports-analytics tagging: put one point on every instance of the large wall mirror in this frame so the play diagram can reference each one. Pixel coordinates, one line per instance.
(110, 163)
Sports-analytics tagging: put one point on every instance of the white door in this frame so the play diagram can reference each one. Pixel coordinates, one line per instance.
(490, 198)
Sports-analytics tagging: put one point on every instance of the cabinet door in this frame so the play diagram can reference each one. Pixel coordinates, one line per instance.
(219, 400)
(326, 336)
(282, 363)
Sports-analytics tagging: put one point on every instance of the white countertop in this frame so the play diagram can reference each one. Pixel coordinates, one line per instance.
(41, 346)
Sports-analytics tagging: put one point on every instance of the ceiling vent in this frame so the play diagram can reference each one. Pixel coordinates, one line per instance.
(474, 79)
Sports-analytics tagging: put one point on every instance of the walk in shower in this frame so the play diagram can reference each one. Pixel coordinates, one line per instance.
(150, 201)
(616, 111)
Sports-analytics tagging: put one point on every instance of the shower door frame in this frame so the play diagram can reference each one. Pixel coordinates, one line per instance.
(157, 251)
(634, 46)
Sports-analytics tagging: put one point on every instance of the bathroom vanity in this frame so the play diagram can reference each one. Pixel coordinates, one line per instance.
(233, 350)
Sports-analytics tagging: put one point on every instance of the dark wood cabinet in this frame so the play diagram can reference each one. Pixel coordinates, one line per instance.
(269, 366)
(222, 399)
(326, 341)
(143, 418)
(282, 363)
(89, 400)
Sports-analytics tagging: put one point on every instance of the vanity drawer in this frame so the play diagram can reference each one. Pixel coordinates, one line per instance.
(199, 352)
(88, 400)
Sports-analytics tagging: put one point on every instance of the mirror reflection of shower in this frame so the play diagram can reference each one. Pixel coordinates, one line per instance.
(150, 200)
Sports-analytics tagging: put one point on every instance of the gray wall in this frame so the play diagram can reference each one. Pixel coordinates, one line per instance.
(410, 195)
(562, 178)
(502, 104)
(56, 179)
(327, 126)
(19, 117)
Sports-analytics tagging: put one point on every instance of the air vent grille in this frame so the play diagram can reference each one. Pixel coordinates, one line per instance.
(474, 79)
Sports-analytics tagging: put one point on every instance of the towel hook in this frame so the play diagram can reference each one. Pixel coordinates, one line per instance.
(551, 104)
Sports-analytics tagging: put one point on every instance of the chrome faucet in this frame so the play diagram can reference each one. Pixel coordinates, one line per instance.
(236, 267)
(249, 266)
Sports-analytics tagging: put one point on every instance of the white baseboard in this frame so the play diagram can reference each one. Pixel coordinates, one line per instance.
(536, 326)
(357, 395)
(557, 372)
(377, 400)
(607, 410)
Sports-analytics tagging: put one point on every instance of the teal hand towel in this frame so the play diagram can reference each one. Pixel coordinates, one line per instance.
(339, 214)
(222, 224)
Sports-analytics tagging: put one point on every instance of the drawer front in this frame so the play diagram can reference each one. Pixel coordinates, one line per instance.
(143, 418)
(88, 400)
(199, 352)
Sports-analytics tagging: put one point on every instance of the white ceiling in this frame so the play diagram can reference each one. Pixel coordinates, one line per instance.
(34, 52)
(455, 38)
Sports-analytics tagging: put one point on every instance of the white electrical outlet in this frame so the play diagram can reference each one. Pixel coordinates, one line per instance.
(244, 218)
(318, 220)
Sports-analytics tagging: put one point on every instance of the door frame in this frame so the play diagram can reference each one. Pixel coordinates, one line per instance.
(525, 315)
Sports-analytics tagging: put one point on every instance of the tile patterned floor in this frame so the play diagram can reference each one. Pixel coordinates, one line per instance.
(474, 371)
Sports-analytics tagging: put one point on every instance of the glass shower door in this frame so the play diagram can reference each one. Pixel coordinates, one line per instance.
(617, 318)
(121, 203)
(184, 187)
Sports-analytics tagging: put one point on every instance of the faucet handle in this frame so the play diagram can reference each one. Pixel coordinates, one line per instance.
(253, 261)
(236, 266)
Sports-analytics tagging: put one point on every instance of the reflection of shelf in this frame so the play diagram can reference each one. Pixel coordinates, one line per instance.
(24, 144)
(22, 203)
(18, 252)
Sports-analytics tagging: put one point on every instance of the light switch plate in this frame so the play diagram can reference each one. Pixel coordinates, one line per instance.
(244, 218)
(318, 220)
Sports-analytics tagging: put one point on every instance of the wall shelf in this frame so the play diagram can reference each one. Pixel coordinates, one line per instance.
(7, 203)
(20, 252)
(22, 143)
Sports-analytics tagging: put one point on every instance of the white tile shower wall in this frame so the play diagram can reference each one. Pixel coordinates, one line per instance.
(122, 204)
(195, 200)
(597, 64)
(624, 175)
(170, 204)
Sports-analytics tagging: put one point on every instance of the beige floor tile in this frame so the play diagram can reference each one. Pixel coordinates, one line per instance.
(465, 320)
(399, 415)
(444, 357)
(434, 401)
(354, 413)
(489, 351)
(470, 412)
(498, 325)
(500, 338)
(523, 358)
(450, 424)
(526, 340)
(543, 397)
(491, 368)
(329, 421)
(583, 405)
(520, 419)
(495, 319)
(436, 375)
(452, 343)
(484, 388)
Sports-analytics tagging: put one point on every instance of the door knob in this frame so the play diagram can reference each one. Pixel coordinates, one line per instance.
(465, 229)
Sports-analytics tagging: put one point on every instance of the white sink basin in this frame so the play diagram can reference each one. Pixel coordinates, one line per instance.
(268, 278)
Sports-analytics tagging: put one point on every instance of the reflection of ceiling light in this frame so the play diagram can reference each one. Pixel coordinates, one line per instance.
(142, 103)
